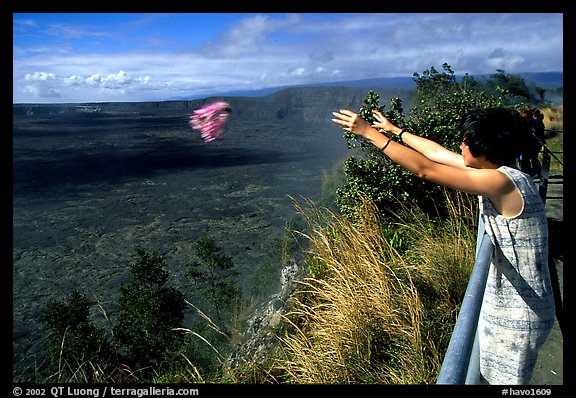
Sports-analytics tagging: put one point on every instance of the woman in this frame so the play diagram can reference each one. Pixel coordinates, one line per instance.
(518, 307)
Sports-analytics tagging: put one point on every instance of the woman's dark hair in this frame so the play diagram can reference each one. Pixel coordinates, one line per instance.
(496, 133)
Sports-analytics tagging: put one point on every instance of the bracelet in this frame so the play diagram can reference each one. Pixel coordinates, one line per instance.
(401, 132)
(386, 144)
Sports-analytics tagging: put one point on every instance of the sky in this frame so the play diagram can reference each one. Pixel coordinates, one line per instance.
(101, 57)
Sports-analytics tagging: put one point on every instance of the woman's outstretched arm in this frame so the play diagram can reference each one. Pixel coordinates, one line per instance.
(477, 181)
(432, 150)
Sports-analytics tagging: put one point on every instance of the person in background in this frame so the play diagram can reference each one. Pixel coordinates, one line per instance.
(532, 144)
(518, 309)
(539, 128)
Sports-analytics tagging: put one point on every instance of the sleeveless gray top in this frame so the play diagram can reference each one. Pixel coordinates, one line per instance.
(518, 306)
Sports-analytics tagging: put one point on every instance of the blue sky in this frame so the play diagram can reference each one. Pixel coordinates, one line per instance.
(95, 57)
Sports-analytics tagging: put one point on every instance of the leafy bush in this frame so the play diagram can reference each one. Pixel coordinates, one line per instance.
(441, 105)
(515, 88)
(75, 346)
(214, 276)
(148, 313)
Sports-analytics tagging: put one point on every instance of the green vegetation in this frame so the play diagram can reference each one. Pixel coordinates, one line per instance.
(149, 311)
(442, 102)
(385, 274)
(145, 338)
(76, 348)
(149, 341)
(220, 298)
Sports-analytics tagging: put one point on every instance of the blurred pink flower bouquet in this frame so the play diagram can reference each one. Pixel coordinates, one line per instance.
(210, 120)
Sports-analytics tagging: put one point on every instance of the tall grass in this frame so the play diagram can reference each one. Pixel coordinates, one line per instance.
(554, 121)
(381, 297)
(553, 117)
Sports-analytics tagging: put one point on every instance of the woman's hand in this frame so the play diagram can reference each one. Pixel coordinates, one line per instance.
(383, 124)
(352, 122)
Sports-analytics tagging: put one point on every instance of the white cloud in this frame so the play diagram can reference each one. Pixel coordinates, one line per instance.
(73, 80)
(40, 91)
(94, 80)
(502, 59)
(48, 85)
(40, 76)
(248, 37)
(41, 85)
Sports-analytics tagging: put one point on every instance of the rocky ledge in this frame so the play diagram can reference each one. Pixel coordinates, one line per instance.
(259, 339)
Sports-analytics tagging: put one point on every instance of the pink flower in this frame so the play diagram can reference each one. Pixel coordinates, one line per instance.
(210, 120)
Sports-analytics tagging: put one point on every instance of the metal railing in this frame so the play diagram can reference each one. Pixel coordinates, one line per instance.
(461, 363)
(547, 155)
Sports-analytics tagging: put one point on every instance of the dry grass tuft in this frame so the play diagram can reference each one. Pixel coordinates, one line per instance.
(553, 117)
(369, 312)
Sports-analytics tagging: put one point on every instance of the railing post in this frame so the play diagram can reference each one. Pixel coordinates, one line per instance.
(473, 372)
(545, 172)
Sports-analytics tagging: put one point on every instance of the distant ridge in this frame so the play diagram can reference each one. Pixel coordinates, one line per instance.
(547, 80)
(291, 105)
(400, 83)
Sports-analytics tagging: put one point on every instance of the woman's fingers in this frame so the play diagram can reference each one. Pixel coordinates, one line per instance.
(341, 122)
(344, 114)
(344, 117)
(378, 116)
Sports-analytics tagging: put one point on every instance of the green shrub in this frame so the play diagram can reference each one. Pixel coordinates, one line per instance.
(442, 102)
(149, 311)
(76, 349)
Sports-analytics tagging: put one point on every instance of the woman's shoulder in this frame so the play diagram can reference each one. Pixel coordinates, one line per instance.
(524, 183)
(515, 174)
